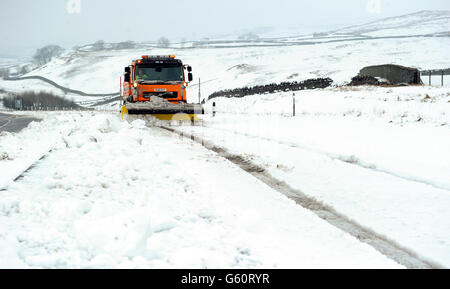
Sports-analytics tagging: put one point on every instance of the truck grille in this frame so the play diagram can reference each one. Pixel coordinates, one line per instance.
(165, 94)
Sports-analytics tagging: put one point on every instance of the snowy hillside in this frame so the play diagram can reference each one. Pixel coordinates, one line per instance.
(230, 64)
(224, 68)
(7, 61)
(419, 23)
(338, 56)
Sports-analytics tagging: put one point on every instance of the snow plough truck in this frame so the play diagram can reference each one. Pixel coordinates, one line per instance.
(156, 85)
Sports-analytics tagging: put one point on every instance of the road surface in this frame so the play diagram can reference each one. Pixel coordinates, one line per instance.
(14, 123)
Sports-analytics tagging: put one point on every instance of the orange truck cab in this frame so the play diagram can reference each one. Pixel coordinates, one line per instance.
(159, 75)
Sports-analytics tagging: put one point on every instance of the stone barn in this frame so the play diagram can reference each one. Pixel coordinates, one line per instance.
(394, 74)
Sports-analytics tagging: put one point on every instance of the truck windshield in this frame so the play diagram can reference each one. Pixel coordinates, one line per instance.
(164, 73)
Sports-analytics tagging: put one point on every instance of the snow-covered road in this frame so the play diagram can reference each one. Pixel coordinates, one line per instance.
(115, 194)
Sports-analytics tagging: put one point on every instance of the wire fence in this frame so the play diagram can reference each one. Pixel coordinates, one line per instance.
(436, 77)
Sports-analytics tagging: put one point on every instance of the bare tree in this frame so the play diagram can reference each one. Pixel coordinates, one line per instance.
(45, 54)
(249, 37)
(163, 42)
(183, 42)
(38, 99)
(125, 45)
(4, 72)
(24, 70)
(99, 45)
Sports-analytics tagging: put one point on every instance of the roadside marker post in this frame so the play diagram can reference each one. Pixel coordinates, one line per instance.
(293, 104)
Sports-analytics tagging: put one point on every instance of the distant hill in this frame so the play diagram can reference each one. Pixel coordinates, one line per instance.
(419, 23)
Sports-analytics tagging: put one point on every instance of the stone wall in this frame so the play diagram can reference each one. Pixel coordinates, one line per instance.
(274, 87)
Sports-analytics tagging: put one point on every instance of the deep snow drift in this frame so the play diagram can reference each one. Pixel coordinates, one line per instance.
(378, 155)
(114, 194)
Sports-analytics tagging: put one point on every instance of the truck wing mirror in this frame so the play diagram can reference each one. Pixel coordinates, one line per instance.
(127, 69)
(189, 69)
(126, 77)
(190, 77)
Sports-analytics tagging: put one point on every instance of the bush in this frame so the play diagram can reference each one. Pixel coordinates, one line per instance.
(99, 45)
(45, 54)
(4, 72)
(249, 37)
(125, 45)
(163, 42)
(42, 99)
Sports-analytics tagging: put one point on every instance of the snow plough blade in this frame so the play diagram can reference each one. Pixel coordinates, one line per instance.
(164, 111)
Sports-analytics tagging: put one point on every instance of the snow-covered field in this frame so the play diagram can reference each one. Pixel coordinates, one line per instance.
(380, 127)
(422, 22)
(7, 61)
(117, 194)
(379, 155)
(114, 194)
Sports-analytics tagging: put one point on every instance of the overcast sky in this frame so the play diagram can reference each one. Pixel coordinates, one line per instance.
(29, 24)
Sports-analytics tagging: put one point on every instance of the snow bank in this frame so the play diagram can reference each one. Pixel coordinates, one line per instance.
(401, 131)
(20, 150)
(123, 195)
(378, 155)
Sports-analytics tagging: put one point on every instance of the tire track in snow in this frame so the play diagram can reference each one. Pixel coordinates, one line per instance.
(350, 159)
(27, 169)
(34, 164)
(381, 243)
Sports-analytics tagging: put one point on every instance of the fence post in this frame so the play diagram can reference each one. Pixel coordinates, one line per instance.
(429, 81)
(293, 104)
(214, 108)
(442, 78)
